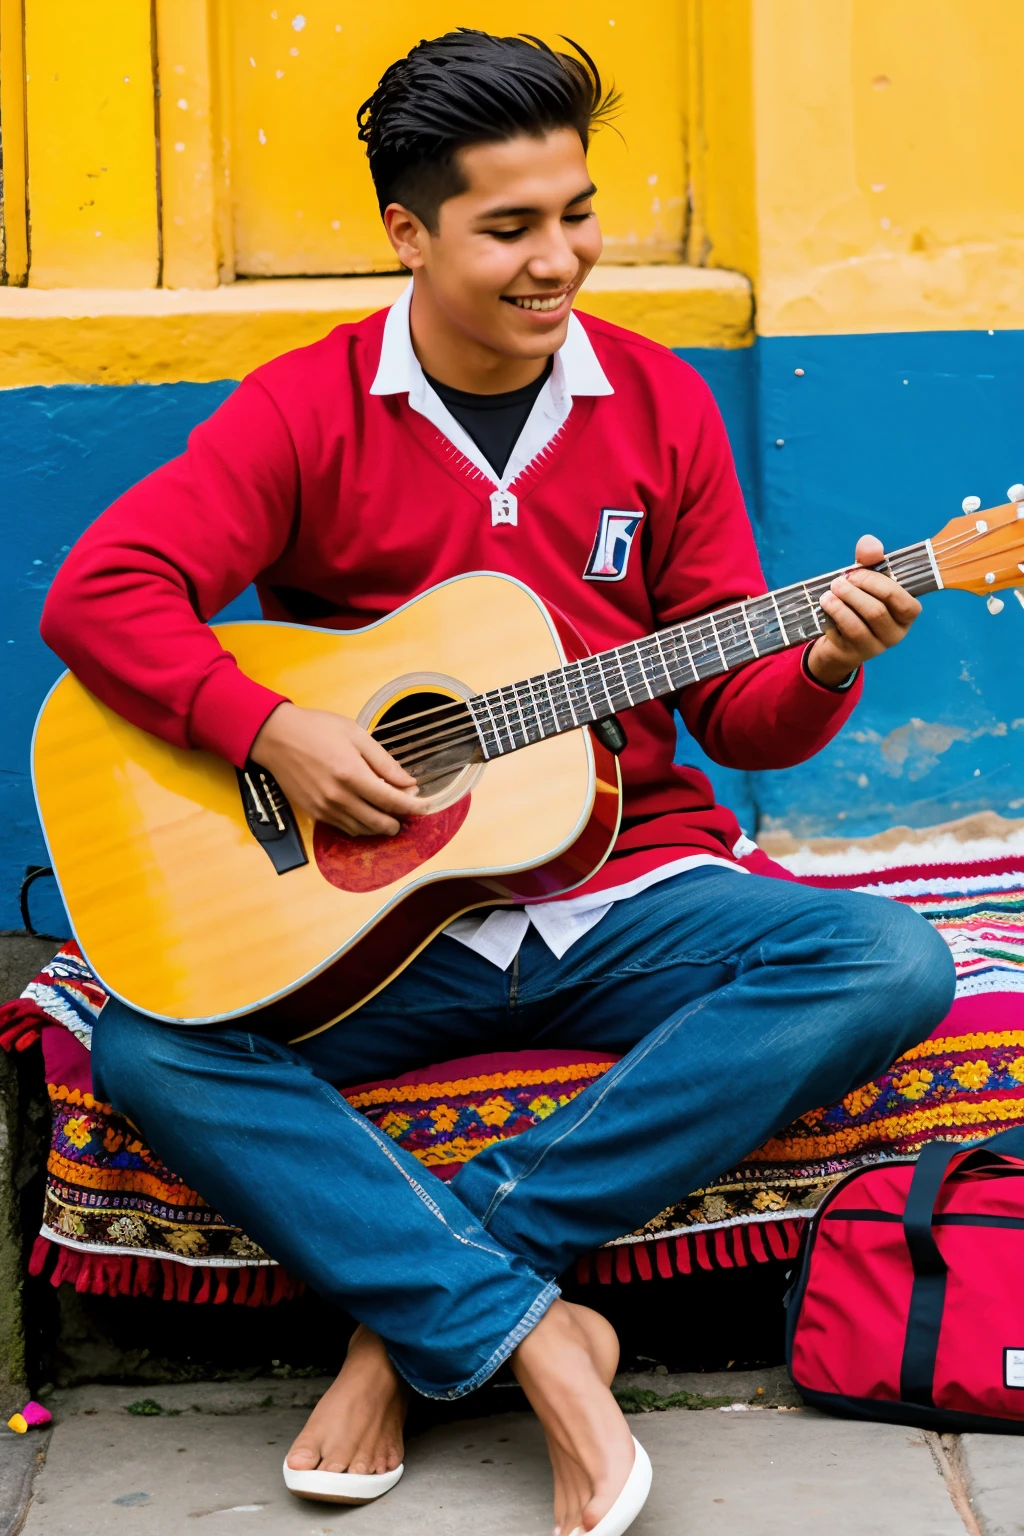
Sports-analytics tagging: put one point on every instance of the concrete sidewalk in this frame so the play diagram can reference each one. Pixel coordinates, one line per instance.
(756, 1465)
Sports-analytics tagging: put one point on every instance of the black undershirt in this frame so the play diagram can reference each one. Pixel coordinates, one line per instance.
(494, 422)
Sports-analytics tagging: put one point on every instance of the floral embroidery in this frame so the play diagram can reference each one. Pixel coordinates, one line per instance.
(78, 1131)
(861, 1099)
(972, 1074)
(543, 1106)
(914, 1084)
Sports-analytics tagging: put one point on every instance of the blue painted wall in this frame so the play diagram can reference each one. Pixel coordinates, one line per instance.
(941, 730)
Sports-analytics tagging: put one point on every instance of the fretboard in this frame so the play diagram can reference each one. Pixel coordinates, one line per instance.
(661, 664)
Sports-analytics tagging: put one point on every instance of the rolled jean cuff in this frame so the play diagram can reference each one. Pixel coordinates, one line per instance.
(526, 1324)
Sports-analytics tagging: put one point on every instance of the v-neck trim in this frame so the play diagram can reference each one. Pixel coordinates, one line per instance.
(576, 375)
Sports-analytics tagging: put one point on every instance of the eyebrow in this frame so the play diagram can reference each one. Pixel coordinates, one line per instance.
(518, 213)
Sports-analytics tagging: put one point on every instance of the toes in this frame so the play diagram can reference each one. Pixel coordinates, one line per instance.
(302, 1458)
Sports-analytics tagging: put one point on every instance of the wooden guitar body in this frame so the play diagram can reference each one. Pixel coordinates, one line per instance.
(177, 905)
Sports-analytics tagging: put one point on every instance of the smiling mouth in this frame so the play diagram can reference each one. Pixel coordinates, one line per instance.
(536, 301)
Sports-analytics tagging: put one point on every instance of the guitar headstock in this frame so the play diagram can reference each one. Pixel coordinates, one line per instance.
(983, 550)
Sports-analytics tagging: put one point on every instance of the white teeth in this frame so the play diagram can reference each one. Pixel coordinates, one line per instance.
(541, 304)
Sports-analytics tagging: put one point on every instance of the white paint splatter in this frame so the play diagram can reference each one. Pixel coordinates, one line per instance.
(252, 61)
(182, 104)
(298, 22)
(262, 136)
(179, 147)
(279, 74)
(878, 186)
(336, 224)
(294, 52)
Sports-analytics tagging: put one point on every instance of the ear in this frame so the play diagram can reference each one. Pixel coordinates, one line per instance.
(408, 234)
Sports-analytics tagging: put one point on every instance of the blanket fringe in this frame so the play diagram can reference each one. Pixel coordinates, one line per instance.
(726, 1248)
(126, 1274)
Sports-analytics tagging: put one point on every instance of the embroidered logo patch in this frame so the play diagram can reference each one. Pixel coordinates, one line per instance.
(609, 557)
(1013, 1367)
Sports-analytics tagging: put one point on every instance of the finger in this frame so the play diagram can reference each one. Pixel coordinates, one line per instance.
(850, 626)
(359, 819)
(382, 763)
(869, 550)
(362, 783)
(871, 609)
(901, 604)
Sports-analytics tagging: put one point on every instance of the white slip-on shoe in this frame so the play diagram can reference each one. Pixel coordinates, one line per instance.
(349, 1487)
(630, 1501)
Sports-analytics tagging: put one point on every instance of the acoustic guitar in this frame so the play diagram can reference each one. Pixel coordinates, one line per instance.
(198, 894)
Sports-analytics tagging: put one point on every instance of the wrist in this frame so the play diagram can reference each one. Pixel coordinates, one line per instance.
(271, 733)
(828, 670)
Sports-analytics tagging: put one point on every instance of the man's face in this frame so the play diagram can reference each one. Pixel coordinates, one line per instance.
(512, 250)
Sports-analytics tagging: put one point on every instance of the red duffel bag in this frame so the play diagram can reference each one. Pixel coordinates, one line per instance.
(909, 1306)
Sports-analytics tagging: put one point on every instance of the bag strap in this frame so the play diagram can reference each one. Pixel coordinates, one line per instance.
(928, 1296)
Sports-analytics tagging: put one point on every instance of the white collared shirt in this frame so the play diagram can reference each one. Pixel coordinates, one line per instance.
(497, 935)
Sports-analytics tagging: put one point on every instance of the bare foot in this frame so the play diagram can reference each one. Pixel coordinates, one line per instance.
(357, 1424)
(565, 1366)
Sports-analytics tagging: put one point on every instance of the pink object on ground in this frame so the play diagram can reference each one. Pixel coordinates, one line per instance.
(30, 1416)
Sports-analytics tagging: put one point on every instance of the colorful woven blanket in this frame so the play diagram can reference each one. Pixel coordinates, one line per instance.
(117, 1221)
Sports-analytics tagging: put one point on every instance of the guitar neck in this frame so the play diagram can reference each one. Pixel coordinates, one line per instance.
(659, 665)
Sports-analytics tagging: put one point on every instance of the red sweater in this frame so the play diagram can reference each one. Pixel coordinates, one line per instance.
(305, 483)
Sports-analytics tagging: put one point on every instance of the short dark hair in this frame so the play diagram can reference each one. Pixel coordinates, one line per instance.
(470, 87)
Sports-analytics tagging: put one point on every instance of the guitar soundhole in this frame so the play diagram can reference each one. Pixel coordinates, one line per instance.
(424, 722)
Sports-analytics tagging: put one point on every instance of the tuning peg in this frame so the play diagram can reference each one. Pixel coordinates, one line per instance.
(970, 503)
(1016, 492)
(995, 605)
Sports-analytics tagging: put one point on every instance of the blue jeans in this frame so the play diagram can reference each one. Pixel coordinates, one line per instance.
(737, 1003)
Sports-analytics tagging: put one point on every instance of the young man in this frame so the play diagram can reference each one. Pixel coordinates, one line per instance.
(480, 425)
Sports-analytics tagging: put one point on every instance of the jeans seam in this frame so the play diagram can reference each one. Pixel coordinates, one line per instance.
(417, 1188)
(529, 1320)
(615, 1075)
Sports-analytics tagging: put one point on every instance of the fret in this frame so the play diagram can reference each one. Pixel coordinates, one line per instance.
(718, 642)
(656, 637)
(814, 608)
(696, 627)
(533, 705)
(599, 662)
(734, 632)
(481, 700)
(499, 693)
(584, 702)
(568, 696)
(616, 655)
(639, 660)
(559, 676)
(549, 719)
(681, 632)
(750, 632)
(778, 615)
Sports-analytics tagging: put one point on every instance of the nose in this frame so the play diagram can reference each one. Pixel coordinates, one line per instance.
(553, 260)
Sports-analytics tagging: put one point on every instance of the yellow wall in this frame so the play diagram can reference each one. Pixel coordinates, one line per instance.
(91, 143)
(303, 201)
(881, 185)
(861, 160)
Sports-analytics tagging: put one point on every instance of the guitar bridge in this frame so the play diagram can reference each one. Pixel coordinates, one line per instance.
(270, 818)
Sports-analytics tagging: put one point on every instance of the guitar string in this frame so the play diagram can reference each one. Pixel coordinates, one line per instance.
(396, 733)
(647, 649)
